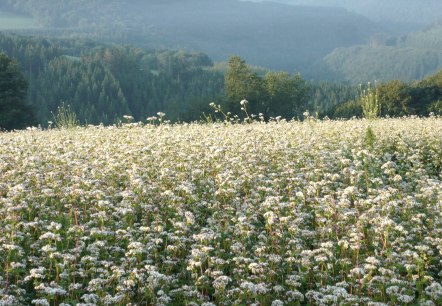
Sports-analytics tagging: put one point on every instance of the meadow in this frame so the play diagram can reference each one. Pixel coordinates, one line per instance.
(279, 213)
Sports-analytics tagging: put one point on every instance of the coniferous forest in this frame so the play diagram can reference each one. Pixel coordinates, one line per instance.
(102, 83)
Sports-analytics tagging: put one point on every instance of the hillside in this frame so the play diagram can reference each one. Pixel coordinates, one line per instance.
(399, 16)
(292, 41)
(410, 57)
(102, 83)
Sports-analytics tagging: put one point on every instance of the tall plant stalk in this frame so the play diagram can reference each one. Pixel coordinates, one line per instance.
(371, 106)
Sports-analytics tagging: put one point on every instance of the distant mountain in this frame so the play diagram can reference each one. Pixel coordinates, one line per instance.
(407, 58)
(400, 16)
(272, 35)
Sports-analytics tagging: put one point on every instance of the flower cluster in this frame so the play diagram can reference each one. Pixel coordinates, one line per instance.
(279, 213)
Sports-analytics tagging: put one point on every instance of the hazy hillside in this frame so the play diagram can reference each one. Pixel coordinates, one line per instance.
(398, 15)
(325, 40)
(268, 34)
(406, 58)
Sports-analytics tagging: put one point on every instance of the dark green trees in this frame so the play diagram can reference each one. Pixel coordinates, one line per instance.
(15, 113)
(395, 98)
(399, 99)
(286, 95)
(240, 83)
(274, 94)
(418, 98)
(102, 83)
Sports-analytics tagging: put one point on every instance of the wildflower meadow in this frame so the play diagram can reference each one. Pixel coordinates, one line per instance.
(277, 213)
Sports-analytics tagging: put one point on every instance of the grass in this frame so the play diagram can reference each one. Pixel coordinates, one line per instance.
(11, 21)
(280, 213)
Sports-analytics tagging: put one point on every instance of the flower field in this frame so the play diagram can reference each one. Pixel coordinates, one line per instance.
(280, 213)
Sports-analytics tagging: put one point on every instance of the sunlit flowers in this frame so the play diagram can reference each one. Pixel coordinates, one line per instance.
(278, 213)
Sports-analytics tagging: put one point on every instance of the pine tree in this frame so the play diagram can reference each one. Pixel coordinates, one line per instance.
(15, 113)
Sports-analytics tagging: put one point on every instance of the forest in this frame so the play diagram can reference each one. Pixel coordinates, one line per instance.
(399, 16)
(102, 83)
(337, 40)
(108, 59)
(406, 57)
(292, 42)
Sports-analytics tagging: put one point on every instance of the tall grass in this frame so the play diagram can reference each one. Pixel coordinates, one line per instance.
(371, 105)
(65, 117)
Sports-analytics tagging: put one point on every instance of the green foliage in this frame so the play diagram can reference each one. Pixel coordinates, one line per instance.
(395, 98)
(370, 138)
(240, 82)
(286, 94)
(274, 94)
(15, 113)
(425, 93)
(371, 107)
(435, 107)
(347, 110)
(102, 83)
(218, 109)
(323, 97)
(433, 80)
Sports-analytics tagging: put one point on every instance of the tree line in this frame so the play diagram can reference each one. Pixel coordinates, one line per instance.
(103, 83)
(398, 99)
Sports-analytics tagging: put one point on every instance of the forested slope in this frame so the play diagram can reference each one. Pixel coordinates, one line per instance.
(397, 15)
(102, 83)
(409, 57)
(292, 41)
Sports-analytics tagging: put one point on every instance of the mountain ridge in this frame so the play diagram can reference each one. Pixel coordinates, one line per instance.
(406, 58)
(293, 41)
(399, 16)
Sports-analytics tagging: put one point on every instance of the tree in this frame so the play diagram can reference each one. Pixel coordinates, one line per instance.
(275, 94)
(347, 110)
(241, 83)
(395, 98)
(287, 95)
(15, 113)
(426, 94)
(435, 108)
